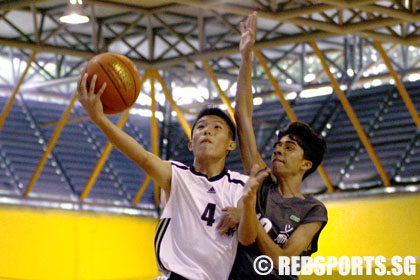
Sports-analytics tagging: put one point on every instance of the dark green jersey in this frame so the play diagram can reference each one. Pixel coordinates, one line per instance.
(280, 218)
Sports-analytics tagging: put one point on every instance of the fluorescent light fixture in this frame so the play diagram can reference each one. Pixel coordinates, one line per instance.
(144, 99)
(146, 113)
(414, 77)
(291, 95)
(376, 82)
(309, 77)
(309, 93)
(189, 94)
(74, 13)
(257, 101)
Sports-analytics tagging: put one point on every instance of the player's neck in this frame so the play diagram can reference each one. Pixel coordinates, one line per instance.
(209, 167)
(290, 186)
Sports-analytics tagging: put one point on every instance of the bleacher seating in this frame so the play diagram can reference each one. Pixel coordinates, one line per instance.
(23, 140)
(381, 112)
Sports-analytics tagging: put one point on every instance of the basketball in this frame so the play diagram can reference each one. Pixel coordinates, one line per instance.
(121, 77)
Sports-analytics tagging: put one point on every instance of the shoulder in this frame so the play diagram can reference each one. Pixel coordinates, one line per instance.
(269, 183)
(236, 177)
(316, 210)
(178, 164)
(315, 202)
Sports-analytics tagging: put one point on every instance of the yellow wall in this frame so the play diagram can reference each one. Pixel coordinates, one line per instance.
(67, 245)
(377, 226)
(60, 245)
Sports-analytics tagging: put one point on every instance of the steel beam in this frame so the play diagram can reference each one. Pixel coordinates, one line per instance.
(219, 89)
(51, 145)
(401, 89)
(175, 107)
(12, 98)
(352, 116)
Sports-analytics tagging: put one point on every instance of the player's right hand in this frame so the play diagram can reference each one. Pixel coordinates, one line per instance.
(230, 220)
(91, 101)
(257, 176)
(248, 34)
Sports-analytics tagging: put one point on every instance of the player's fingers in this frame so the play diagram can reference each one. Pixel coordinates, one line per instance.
(225, 227)
(92, 86)
(226, 209)
(249, 22)
(79, 88)
(242, 27)
(101, 90)
(254, 20)
(83, 86)
(254, 170)
(254, 25)
(261, 175)
(222, 222)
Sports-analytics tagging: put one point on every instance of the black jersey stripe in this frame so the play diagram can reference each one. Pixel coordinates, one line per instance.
(180, 166)
(213, 179)
(160, 232)
(158, 229)
(235, 181)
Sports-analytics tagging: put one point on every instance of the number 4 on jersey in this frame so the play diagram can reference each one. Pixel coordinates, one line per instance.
(208, 214)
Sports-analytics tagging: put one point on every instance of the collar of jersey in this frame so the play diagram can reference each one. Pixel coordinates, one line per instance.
(212, 179)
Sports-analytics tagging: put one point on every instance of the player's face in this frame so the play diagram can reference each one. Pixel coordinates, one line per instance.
(211, 137)
(287, 158)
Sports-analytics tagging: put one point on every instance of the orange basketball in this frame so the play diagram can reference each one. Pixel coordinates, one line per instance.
(121, 77)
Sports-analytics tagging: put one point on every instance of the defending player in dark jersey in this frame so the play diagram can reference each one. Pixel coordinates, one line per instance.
(276, 218)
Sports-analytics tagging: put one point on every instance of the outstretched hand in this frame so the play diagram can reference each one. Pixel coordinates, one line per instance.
(257, 176)
(248, 34)
(91, 101)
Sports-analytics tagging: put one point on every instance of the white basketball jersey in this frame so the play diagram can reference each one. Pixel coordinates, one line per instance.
(186, 240)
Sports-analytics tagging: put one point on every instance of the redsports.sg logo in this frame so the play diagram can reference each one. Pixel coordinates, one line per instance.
(354, 265)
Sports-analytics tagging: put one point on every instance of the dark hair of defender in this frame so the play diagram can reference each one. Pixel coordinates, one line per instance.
(314, 147)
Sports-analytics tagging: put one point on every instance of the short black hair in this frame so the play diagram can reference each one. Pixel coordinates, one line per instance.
(215, 111)
(314, 147)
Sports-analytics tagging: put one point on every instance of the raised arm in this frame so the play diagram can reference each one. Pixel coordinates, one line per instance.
(248, 224)
(155, 167)
(244, 99)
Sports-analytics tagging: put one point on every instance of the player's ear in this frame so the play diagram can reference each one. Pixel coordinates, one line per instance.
(190, 146)
(232, 145)
(306, 165)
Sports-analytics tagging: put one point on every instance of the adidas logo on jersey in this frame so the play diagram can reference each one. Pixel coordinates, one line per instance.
(211, 190)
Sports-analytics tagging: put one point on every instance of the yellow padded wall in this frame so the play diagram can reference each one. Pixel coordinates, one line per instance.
(373, 226)
(53, 244)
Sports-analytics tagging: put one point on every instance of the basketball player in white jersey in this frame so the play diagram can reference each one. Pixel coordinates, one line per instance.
(187, 243)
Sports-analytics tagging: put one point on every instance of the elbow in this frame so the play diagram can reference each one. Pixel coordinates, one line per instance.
(246, 241)
(286, 261)
(247, 238)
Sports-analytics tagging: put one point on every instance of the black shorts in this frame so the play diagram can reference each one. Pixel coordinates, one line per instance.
(174, 276)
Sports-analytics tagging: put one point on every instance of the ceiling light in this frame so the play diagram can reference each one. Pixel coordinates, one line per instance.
(74, 13)
(309, 93)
